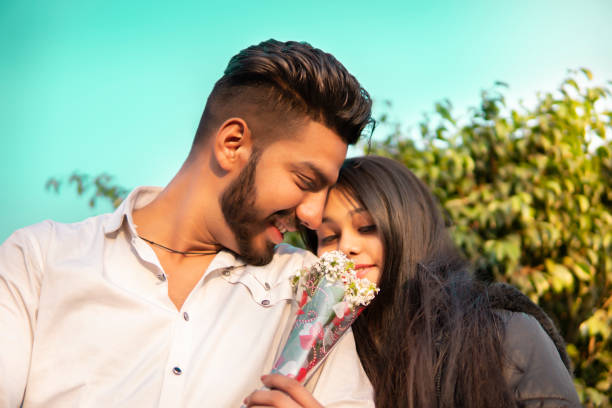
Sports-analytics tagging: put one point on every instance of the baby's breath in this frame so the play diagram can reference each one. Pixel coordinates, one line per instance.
(335, 266)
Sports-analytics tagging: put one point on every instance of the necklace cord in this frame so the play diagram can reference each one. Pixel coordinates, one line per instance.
(175, 251)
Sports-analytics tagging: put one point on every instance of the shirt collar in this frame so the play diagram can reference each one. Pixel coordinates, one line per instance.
(141, 196)
(225, 259)
(138, 198)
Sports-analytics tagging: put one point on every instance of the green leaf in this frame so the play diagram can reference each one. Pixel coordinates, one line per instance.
(597, 324)
(502, 84)
(572, 83)
(587, 73)
(443, 109)
(562, 278)
(583, 203)
(582, 272)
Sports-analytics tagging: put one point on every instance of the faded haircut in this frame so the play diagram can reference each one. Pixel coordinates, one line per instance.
(277, 86)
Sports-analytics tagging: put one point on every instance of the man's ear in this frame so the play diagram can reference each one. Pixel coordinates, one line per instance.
(233, 144)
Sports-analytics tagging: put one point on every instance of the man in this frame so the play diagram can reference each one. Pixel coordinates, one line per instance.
(179, 298)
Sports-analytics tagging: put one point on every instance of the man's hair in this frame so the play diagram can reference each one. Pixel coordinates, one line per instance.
(275, 86)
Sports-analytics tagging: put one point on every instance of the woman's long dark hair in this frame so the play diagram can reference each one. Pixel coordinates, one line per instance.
(430, 338)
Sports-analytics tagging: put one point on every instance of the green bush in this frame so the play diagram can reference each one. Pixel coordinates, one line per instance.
(529, 193)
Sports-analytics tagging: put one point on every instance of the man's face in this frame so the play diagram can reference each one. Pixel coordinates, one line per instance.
(284, 184)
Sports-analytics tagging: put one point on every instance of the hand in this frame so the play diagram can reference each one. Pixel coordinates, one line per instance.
(284, 392)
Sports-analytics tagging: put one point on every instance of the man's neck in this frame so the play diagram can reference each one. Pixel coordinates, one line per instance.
(179, 217)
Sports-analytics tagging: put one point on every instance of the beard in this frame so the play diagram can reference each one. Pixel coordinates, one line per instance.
(238, 207)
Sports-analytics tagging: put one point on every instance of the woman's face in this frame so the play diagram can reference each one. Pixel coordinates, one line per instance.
(349, 228)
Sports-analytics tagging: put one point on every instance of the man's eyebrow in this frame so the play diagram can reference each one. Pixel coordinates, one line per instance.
(320, 179)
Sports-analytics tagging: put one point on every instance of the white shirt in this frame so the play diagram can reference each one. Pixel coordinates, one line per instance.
(86, 321)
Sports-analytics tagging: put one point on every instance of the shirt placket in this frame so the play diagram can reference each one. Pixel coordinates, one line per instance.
(177, 366)
(180, 344)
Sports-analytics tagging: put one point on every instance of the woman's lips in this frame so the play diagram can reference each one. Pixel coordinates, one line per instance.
(362, 269)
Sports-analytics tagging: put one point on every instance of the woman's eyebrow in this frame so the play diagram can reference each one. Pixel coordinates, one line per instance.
(327, 220)
(357, 210)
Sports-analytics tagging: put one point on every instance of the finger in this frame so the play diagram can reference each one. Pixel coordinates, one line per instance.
(270, 398)
(293, 388)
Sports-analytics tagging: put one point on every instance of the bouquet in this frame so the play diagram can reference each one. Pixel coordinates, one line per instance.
(331, 297)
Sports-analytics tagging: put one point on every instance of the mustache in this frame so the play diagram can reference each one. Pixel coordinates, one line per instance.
(287, 217)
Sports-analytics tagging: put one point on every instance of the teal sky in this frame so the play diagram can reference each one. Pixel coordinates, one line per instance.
(119, 86)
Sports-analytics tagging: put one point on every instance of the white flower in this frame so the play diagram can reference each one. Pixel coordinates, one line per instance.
(335, 266)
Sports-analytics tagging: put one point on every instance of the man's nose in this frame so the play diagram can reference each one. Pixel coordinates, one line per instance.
(310, 210)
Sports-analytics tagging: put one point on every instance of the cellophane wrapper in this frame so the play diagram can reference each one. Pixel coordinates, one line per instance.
(329, 303)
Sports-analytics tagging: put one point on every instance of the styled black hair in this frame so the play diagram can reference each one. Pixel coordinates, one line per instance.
(276, 85)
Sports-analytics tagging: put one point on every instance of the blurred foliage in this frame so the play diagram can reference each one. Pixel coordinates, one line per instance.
(529, 193)
(99, 187)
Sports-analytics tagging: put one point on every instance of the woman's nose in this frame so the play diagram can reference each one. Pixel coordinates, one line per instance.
(349, 245)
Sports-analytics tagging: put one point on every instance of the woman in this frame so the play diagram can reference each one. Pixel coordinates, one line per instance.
(434, 336)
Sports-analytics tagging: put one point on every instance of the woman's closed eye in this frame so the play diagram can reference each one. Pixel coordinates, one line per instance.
(367, 229)
(328, 239)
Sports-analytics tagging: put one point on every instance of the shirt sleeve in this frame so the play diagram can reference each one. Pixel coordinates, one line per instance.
(20, 282)
(342, 381)
(533, 367)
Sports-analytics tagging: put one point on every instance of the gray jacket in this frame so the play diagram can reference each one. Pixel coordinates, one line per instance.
(536, 364)
(533, 367)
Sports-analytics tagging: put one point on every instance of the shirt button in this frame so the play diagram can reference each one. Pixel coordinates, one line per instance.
(186, 316)
(226, 272)
(177, 371)
(265, 302)
(162, 278)
(267, 286)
